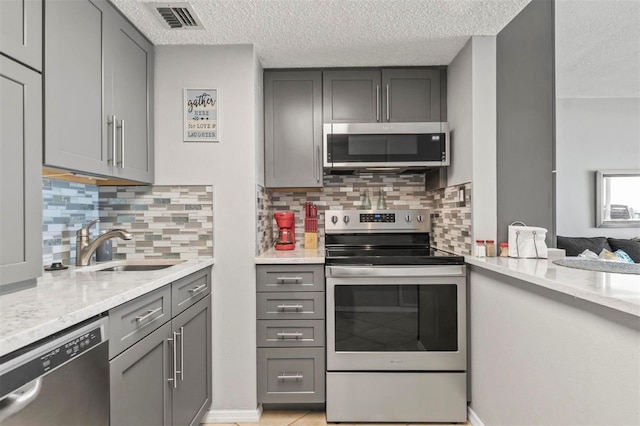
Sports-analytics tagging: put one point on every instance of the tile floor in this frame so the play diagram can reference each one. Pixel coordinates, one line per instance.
(305, 418)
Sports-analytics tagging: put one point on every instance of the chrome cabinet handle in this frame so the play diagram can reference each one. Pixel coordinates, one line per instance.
(197, 289)
(284, 335)
(111, 122)
(174, 379)
(387, 102)
(149, 313)
(121, 127)
(285, 279)
(285, 307)
(377, 102)
(319, 163)
(290, 376)
(181, 354)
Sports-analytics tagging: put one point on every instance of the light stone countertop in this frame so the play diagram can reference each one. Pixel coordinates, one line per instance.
(617, 291)
(62, 299)
(298, 256)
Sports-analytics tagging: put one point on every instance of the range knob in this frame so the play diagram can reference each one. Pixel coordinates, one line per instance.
(407, 218)
(420, 218)
(345, 219)
(334, 219)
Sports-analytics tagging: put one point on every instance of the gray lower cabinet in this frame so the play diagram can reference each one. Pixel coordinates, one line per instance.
(164, 376)
(291, 333)
(21, 31)
(20, 173)
(98, 91)
(384, 95)
(293, 129)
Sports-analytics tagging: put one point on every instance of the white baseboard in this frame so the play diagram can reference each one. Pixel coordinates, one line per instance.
(233, 416)
(473, 418)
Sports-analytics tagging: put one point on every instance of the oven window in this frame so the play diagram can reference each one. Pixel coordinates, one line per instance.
(390, 318)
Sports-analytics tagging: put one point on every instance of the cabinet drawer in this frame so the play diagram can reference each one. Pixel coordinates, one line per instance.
(290, 277)
(134, 320)
(188, 290)
(290, 333)
(291, 375)
(290, 306)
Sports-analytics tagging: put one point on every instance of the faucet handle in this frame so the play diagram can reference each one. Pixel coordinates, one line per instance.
(84, 231)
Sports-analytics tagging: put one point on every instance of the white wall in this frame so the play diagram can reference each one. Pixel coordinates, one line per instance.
(592, 134)
(543, 358)
(471, 112)
(230, 166)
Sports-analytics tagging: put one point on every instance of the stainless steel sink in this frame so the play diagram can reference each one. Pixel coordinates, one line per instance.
(139, 265)
(134, 268)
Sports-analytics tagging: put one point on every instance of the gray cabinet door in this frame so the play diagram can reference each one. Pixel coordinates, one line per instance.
(410, 95)
(293, 129)
(192, 394)
(20, 173)
(75, 126)
(21, 31)
(351, 96)
(129, 68)
(140, 391)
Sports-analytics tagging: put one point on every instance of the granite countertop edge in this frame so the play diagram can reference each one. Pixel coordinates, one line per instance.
(62, 299)
(299, 255)
(616, 291)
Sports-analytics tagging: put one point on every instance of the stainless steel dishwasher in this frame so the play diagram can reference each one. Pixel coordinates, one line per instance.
(61, 380)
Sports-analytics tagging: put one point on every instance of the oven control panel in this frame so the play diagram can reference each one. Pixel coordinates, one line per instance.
(371, 221)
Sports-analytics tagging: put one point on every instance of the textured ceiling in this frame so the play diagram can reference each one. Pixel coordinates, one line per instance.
(598, 48)
(320, 33)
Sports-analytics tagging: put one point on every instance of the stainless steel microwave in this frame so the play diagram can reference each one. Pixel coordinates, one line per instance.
(383, 146)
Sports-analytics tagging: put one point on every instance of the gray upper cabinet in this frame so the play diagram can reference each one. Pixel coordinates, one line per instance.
(351, 96)
(293, 129)
(21, 31)
(20, 173)
(411, 95)
(386, 95)
(130, 74)
(75, 127)
(98, 92)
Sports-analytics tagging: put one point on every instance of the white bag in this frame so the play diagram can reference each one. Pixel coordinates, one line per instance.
(527, 241)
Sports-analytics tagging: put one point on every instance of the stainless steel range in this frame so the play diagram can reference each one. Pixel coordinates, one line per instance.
(396, 320)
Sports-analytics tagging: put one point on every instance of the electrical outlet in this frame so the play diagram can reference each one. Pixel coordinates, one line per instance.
(461, 195)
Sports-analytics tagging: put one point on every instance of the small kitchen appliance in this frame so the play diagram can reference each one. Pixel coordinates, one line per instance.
(396, 320)
(286, 230)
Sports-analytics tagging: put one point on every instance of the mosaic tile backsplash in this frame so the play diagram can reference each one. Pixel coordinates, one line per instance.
(451, 220)
(168, 222)
(67, 206)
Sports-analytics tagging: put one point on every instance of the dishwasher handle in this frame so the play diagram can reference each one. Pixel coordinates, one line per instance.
(19, 399)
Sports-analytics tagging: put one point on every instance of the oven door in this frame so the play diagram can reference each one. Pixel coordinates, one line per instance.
(396, 318)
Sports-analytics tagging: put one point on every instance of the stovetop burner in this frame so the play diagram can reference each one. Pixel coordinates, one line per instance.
(385, 237)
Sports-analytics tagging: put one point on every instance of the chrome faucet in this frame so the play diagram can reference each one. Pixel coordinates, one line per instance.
(85, 247)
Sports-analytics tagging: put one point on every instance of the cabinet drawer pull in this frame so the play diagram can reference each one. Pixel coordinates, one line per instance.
(290, 376)
(197, 289)
(387, 102)
(377, 102)
(285, 279)
(284, 335)
(287, 307)
(149, 313)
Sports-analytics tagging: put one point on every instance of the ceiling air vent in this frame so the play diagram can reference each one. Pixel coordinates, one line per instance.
(174, 16)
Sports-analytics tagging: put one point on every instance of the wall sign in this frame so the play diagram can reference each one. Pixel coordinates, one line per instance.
(201, 115)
